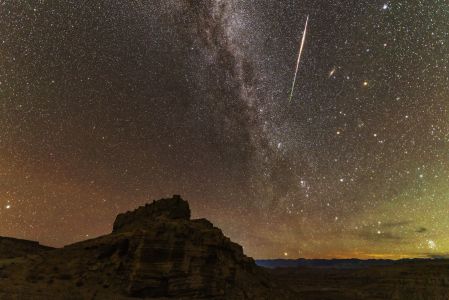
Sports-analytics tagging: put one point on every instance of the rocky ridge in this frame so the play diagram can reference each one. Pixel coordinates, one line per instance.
(11, 247)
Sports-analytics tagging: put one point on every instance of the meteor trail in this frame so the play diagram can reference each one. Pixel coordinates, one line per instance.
(299, 59)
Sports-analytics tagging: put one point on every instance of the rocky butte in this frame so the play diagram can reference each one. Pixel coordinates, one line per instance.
(155, 251)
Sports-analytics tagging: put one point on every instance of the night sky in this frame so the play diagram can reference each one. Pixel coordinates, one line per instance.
(107, 105)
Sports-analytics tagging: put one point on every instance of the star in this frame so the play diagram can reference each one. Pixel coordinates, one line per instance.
(431, 244)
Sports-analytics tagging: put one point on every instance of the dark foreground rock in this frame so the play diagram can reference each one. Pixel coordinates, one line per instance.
(155, 251)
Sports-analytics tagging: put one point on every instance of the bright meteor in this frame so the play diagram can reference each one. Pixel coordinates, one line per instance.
(299, 59)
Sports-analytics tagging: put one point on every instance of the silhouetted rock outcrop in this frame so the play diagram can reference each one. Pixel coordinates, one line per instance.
(155, 251)
(172, 208)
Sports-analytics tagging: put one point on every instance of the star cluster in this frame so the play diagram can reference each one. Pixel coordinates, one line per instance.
(106, 105)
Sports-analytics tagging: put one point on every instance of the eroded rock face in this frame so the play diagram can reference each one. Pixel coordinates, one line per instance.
(177, 257)
(186, 259)
(155, 251)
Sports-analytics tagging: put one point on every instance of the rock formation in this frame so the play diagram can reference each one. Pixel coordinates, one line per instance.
(156, 251)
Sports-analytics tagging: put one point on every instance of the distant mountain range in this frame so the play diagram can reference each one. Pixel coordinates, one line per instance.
(330, 263)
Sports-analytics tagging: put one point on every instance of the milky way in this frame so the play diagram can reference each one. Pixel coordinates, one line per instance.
(105, 106)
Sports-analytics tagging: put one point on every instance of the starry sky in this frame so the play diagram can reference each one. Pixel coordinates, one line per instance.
(106, 105)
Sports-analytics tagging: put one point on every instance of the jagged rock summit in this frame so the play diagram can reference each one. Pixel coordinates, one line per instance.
(171, 208)
(154, 252)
